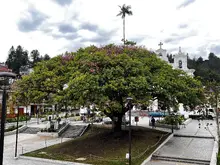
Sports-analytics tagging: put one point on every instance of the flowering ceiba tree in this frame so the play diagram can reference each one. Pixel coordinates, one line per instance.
(104, 77)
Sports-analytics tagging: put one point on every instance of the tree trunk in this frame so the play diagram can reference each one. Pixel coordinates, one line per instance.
(116, 124)
(124, 30)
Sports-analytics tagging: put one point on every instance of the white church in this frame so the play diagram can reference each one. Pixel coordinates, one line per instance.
(180, 62)
(180, 59)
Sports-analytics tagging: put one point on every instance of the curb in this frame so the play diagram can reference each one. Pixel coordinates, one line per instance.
(187, 121)
(161, 145)
(51, 161)
(214, 154)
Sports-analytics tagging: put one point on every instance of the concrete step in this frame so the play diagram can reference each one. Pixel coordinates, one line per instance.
(178, 159)
(194, 136)
(31, 130)
(73, 131)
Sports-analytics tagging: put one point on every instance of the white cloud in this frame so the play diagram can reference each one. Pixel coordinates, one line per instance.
(194, 26)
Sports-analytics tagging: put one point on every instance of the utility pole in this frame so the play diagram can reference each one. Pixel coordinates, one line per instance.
(129, 99)
(217, 114)
(3, 116)
(16, 141)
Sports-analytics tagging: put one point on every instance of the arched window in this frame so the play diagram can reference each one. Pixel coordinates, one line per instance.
(180, 64)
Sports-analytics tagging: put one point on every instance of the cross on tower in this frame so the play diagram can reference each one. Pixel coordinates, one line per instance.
(160, 44)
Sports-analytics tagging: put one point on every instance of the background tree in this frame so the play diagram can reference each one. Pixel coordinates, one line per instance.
(130, 43)
(206, 70)
(17, 58)
(46, 57)
(35, 56)
(170, 58)
(124, 10)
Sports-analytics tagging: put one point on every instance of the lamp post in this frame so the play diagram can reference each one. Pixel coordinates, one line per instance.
(16, 142)
(216, 93)
(172, 121)
(129, 99)
(7, 79)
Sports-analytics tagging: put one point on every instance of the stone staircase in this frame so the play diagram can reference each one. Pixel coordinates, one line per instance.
(73, 131)
(31, 130)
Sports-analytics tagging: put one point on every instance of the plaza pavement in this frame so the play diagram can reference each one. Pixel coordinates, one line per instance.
(188, 147)
(27, 143)
(188, 144)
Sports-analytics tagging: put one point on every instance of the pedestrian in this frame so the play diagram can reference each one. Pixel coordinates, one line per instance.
(153, 122)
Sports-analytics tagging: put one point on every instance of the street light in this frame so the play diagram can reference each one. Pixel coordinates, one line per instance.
(172, 120)
(129, 99)
(215, 90)
(7, 79)
(16, 142)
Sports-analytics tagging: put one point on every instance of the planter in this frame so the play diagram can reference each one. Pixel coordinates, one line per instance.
(165, 125)
(54, 134)
(48, 134)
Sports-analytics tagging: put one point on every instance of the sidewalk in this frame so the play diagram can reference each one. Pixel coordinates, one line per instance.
(27, 143)
(31, 142)
(190, 145)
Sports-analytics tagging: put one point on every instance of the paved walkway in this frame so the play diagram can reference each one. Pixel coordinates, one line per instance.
(190, 147)
(188, 144)
(30, 142)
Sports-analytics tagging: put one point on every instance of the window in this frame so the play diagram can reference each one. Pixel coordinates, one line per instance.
(180, 64)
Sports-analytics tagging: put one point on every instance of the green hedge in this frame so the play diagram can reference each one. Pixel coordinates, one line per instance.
(21, 118)
(218, 159)
(172, 120)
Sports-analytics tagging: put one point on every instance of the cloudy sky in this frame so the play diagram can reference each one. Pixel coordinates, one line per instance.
(56, 26)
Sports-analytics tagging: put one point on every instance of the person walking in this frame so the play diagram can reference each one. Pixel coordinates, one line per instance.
(153, 122)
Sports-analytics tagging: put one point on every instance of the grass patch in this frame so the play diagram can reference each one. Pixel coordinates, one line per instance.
(100, 147)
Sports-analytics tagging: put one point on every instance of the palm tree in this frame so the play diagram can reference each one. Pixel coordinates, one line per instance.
(123, 11)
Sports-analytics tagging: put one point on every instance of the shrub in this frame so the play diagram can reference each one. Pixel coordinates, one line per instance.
(172, 120)
(21, 118)
(218, 159)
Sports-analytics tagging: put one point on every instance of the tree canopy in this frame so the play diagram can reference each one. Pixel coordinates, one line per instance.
(17, 58)
(206, 70)
(106, 76)
(124, 10)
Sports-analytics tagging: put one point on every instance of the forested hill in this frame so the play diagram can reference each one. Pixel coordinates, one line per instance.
(206, 70)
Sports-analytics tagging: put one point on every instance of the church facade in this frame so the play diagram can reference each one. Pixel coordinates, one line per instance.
(180, 60)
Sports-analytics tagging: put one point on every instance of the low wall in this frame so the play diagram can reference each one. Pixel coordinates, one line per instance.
(50, 134)
(145, 162)
(170, 126)
(20, 129)
(54, 134)
(63, 129)
(187, 121)
(214, 154)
